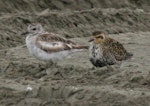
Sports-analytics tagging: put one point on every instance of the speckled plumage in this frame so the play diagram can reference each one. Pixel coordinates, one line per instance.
(106, 51)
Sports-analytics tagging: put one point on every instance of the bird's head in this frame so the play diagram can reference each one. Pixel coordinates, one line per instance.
(98, 37)
(34, 29)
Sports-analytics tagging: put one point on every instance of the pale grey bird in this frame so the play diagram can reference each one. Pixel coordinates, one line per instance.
(49, 46)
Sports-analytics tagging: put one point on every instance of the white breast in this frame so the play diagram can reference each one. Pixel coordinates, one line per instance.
(42, 55)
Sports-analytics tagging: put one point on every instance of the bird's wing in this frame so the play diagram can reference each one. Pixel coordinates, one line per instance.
(53, 43)
(117, 49)
(108, 57)
(52, 37)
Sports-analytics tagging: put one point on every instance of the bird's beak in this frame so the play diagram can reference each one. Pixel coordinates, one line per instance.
(25, 33)
(91, 40)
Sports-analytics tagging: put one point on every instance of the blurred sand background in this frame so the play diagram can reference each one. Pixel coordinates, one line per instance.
(74, 81)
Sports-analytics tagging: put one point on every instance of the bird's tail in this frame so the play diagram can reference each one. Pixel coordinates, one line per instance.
(80, 47)
(129, 55)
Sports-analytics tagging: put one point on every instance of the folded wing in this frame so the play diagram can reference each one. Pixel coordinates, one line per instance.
(53, 43)
(116, 49)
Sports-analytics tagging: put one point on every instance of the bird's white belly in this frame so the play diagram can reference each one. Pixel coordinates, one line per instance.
(42, 55)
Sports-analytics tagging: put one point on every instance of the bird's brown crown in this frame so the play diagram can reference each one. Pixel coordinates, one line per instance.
(97, 33)
(99, 36)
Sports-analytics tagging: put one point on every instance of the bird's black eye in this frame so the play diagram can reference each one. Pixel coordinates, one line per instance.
(34, 29)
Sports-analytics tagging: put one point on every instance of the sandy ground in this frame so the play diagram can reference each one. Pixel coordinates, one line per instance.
(26, 81)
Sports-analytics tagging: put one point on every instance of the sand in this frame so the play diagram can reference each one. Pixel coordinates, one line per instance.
(74, 81)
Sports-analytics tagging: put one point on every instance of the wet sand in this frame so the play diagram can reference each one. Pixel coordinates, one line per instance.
(74, 81)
